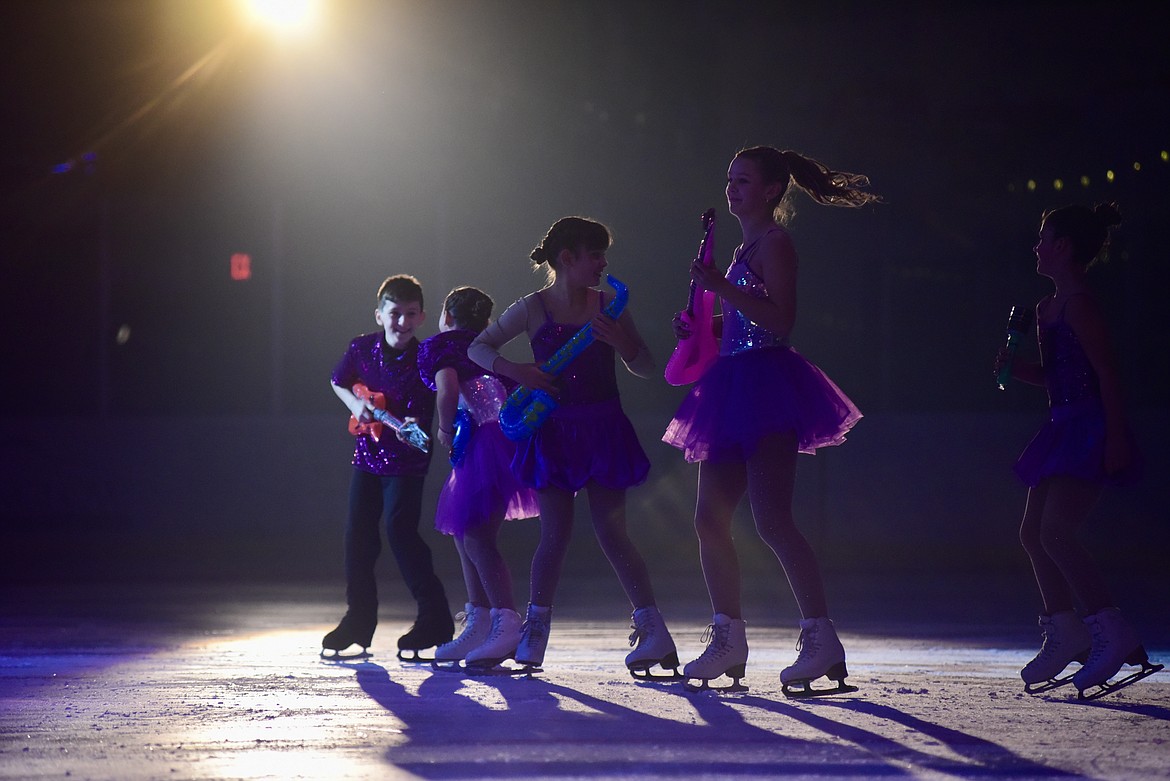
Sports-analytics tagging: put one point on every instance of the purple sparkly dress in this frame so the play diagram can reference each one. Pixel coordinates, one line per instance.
(588, 437)
(758, 386)
(482, 485)
(1072, 441)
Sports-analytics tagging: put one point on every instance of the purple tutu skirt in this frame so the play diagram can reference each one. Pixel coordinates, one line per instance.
(482, 486)
(745, 397)
(579, 443)
(1072, 443)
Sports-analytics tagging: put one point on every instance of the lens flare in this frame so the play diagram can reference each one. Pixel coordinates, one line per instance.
(285, 17)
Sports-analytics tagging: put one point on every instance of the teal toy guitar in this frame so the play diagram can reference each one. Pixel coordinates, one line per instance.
(525, 410)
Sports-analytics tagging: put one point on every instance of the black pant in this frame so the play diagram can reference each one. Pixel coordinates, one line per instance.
(399, 500)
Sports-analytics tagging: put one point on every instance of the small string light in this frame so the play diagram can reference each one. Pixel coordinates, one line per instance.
(1110, 176)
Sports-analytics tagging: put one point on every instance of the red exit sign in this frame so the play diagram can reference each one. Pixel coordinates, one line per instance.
(241, 266)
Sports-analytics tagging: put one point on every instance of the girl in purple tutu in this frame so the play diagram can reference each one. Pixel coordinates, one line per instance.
(757, 406)
(481, 493)
(587, 442)
(1084, 445)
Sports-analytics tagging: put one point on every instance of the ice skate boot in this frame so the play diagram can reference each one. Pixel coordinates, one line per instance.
(350, 632)
(476, 625)
(433, 627)
(500, 644)
(534, 637)
(1114, 643)
(1066, 640)
(820, 654)
(654, 646)
(726, 654)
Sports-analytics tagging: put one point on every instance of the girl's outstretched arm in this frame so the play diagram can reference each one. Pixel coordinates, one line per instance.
(485, 349)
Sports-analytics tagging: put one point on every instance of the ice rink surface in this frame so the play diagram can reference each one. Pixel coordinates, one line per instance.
(225, 682)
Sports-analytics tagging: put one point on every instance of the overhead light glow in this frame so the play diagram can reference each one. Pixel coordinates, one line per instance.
(285, 17)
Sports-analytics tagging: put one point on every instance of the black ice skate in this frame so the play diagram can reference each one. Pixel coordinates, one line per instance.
(349, 633)
(429, 630)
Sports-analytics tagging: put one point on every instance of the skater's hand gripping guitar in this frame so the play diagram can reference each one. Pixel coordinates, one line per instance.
(693, 327)
(529, 406)
(406, 430)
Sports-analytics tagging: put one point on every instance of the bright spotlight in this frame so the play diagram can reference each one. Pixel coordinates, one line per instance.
(286, 17)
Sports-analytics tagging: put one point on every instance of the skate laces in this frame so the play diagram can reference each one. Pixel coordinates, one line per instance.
(641, 631)
(535, 627)
(715, 636)
(805, 650)
(1048, 640)
(1101, 641)
(497, 631)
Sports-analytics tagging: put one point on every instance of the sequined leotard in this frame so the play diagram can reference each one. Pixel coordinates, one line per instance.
(758, 387)
(481, 487)
(1072, 441)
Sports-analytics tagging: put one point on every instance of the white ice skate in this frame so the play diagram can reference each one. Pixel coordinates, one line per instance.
(1115, 643)
(500, 643)
(726, 654)
(1066, 640)
(820, 654)
(476, 625)
(654, 646)
(534, 637)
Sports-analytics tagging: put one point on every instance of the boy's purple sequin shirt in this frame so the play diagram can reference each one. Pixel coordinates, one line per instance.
(393, 373)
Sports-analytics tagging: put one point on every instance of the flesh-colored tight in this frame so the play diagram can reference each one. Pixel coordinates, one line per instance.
(1065, 571)
(607, 507)
(768, 478)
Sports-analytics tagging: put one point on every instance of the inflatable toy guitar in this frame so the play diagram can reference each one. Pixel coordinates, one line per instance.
(525, 410)
(694, 354)
(415, 436)
(461, 433)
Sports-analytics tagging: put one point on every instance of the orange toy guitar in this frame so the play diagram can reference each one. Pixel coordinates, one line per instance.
(693, 355)
(415, 436)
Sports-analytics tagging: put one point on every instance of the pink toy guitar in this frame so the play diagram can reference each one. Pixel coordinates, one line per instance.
(692, 356)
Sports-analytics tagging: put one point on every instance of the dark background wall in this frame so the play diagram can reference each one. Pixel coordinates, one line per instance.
(161, 419)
